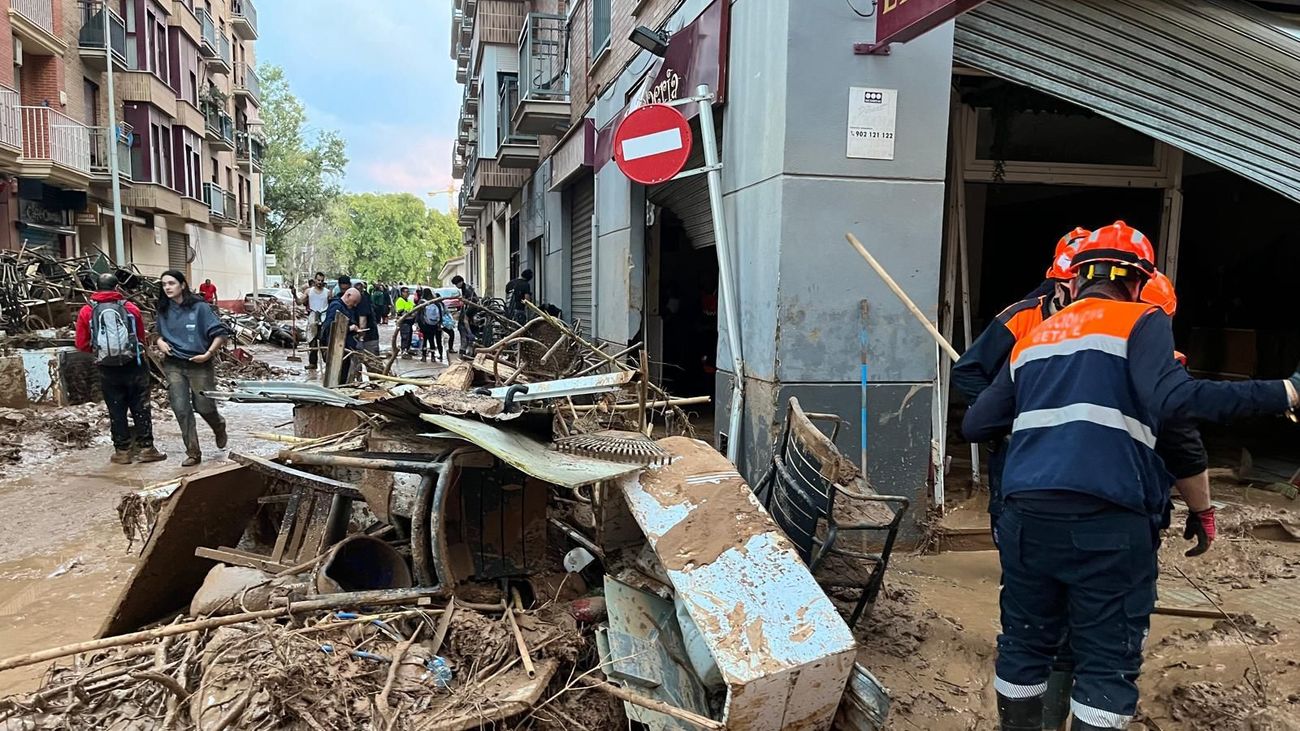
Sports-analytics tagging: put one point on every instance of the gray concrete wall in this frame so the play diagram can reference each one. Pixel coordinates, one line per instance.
(791, 193)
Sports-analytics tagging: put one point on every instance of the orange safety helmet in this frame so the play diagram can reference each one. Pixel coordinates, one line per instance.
(1125, 248)
(1159, 291)
(1065, 248)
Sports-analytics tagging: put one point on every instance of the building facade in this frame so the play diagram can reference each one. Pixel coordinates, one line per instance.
(958, 158)
(188, 139)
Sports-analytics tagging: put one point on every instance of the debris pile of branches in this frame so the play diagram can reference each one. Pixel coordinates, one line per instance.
(407, 666)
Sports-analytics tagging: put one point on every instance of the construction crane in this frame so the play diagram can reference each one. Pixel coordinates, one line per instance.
(450, 192)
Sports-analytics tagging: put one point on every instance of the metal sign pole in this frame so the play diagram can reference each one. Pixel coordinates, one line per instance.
(110, 139)
(726, 277)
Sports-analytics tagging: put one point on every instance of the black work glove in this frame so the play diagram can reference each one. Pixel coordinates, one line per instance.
(1201, 526)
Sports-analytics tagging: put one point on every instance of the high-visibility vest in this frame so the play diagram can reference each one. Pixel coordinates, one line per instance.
(1079, 423)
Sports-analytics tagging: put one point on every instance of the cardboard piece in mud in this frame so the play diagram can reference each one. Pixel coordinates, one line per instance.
(210, 508)
(783, 651)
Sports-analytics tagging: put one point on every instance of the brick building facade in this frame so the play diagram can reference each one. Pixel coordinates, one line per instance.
(188, 140)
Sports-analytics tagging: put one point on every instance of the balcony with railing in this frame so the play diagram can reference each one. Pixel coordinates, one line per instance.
(248, 151)
(543, 75)
(55, 146)
(208, 45)
(221, 204)
(33, 22)
(222, 60)
(243, 19)
(518, 150)
(100, 164)
(246, 219)
(220, 128)
(90, 40)
(11, 122)
(247, 84)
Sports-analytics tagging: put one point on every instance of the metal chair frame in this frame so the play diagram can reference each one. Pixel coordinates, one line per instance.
(799, 495)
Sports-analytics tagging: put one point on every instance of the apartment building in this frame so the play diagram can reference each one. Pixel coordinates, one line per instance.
(958, 157)
(188, 137)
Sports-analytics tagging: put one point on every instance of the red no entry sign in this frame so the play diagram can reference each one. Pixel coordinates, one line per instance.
(652, 143)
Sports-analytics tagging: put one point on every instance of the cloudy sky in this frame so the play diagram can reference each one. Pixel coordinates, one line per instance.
(379, 72)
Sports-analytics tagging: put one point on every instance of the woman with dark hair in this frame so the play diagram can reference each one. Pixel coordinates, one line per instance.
(190, 336)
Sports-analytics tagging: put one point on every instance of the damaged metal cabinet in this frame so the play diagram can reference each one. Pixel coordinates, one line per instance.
(783, 651)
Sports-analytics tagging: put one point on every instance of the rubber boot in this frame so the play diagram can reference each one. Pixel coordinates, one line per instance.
(1056, 700)
(1020, 714)
(121, 456)
(1078, 725)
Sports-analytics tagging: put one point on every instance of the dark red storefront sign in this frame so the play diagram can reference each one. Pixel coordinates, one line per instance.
(902, 20)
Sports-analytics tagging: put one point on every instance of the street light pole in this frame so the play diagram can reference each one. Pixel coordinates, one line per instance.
(119, 242)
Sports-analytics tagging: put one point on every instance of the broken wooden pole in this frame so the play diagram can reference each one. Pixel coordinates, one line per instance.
(657, 706)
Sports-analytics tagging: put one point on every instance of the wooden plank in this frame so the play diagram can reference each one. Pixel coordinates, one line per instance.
(236, 557)
(210, 508)
(459, 375)
(286, 526)
(314, 540)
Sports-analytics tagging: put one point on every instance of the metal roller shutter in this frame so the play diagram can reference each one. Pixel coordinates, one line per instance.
(1219, 79)
(688, 198)
(178, 252)
(581, 211)
(40, 239)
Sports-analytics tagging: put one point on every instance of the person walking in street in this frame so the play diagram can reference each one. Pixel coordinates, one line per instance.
(190, 336)
(405, 325)
(208, 290)
(1082, 397)
(465, 323)
(318, 301)
(519, 291)
(112, 330)
(344, 284)
(380, 303)
(430, 319)
(346, 308)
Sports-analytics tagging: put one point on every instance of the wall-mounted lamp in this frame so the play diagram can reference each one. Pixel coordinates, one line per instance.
(654, 41)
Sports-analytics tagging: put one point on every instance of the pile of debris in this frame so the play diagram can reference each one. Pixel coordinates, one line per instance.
(70, 427)
(531, 540)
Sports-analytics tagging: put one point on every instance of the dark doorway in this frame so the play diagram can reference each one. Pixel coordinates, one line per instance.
(683, 310)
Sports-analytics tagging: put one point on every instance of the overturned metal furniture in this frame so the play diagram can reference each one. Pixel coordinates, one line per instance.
(806, 475)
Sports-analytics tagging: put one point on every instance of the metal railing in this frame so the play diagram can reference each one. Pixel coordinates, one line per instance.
(209, 33)
(99, 140)
(543, 65)
(40, 12)
(92, 30)
(219, 123)
(216, 197)
(471, 169)
(246, 10)
(507, 100)
(11, 124)
(246, 79)
(54, 136)
(248, 147)
(223, 49)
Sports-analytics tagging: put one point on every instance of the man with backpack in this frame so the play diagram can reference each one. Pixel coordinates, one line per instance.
(112, 330)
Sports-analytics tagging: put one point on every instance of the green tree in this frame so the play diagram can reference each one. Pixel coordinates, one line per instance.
(302, 168)
(392, 237)
(309, 248)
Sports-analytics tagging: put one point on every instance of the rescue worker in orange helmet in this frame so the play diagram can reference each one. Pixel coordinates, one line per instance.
(988, 353)
(1179, 444)
(1082, 397)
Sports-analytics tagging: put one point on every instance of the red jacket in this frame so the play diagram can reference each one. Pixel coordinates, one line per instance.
(83, 319)
(209, 292)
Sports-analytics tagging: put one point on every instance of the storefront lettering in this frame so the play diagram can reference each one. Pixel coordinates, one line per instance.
(30, 211)
(666, 90)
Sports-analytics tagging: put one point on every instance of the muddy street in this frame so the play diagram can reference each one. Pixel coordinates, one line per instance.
(932, 639)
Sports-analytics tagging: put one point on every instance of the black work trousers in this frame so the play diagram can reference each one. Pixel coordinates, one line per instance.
(126, 393)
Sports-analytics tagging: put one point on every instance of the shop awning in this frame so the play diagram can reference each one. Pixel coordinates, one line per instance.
(1219, 79)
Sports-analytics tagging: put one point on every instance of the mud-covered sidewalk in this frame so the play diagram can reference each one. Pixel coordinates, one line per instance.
(933, 636)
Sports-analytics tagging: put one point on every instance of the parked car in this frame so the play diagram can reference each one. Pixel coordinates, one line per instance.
(268, 295)
(450, 295)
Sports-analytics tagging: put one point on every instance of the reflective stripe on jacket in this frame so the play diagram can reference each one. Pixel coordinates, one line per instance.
(1079, 423)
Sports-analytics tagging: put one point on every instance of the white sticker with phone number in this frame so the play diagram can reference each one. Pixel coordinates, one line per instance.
(873, 114)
